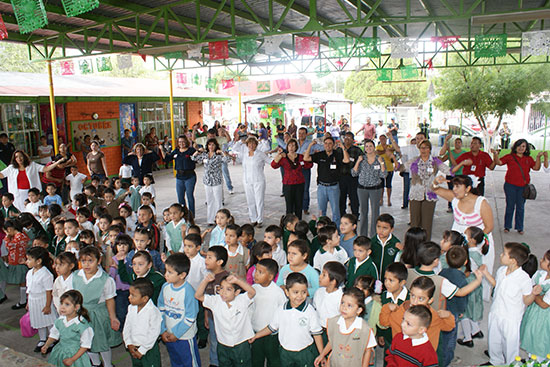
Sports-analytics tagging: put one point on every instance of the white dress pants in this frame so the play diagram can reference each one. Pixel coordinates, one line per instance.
(255, 193)
(503, 338)
(213, 202)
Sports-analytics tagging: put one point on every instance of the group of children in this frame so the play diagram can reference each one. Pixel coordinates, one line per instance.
(306, 294)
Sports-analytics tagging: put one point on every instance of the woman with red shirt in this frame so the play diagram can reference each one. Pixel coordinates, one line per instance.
(293, 179)
(515, 181)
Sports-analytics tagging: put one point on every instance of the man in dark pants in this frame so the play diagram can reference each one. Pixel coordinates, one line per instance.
(348, 184)
(6, 153)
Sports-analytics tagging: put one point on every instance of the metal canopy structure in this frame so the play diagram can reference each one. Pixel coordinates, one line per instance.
(282, 98)
(163, 27)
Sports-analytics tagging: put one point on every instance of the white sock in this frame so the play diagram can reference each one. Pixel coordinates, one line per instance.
(94, 357)
(43, 333)
(106, 356)
(22, 295)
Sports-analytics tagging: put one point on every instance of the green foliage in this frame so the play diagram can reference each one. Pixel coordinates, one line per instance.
(363, 86)
(15, 57)
(333, 84)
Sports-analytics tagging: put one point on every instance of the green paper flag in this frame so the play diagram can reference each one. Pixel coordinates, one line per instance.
(384, 74)
(173, 55)
(341, 46)
(211, 83)
(196, 79)
(322, 70)
(86, 66)
(246, 47)
(263, 87)
(76, 7)
(493, 45)
(104, 64)
(409, 72)
(368, 47)
(30, 14)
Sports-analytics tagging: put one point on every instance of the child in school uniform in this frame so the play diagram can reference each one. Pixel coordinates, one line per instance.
(269, 297)
(34, 202)
(273, 236)
(348, 227)
(326, 299)
(148, 186)
(76, 181)
(58, 243)
(384, 246)
(361, 262)
(179, 310)
(141, 267)
(247, 236)
(373, 305)
(513, 292)
(217, 235)
(297, 254)
(121, 246)
(330, 249)
(237, 262)
(8, 210)
(65, 265)
(288, 224)
(261, 250)
(43, 217)
(98, 290)
(125, 173)
(135, 197)
(16, 245)
(297, 323)
(175, 229)
(230, 309)
(143, 324)
(314, 226)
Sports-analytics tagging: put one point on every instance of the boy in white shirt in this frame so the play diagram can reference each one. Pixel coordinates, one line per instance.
(232, 320)
(142, 326)
(273, 235)
(76, 181)
(330, 251)
(125, 173)
(269, 297)
(327, 298)
(34, 202)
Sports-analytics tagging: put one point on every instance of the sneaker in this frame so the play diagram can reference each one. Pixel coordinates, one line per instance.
(19, 306)
(231, 192)
(202, 343)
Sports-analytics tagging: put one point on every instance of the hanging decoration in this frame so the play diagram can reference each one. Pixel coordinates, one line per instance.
(339, 64)
(86, 66)
(403, 47)
(409, 72)
(249, 109)
(341, 46)
(368, 47)
(3, 29)
(311, 110)
(228, 83)
(124, 62)
(104, 64)
(445, 41)
(306, 46)
(282, 84)
(143, 57)
(272, 45)
(30, 14)
(173, 55)
(246, 47)
(67, 67)
(532, 43)
(384, 74)
(76, 7)
(181, 79)
(211, 83)
(263, 87)
(492, 45)
(218, 50)
(322, 70)
(197, 79)
(301, 111)
(430, 64)
(264, 114)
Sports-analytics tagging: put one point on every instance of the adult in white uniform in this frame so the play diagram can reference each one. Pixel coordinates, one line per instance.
(253, 177)
(470, 210)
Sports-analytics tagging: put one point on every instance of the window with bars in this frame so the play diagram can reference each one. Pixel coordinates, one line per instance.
(157, 114)
(21, 122)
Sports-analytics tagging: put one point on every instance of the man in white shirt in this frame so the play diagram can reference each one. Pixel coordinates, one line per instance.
(380, 129)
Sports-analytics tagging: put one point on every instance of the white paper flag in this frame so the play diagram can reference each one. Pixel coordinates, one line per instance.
(271, 45)
(124, 61)
(535, 43)
(194, 51)
(402, 48)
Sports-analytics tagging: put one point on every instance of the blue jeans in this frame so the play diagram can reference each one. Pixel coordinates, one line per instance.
(514, 201)
(329, 194)
(447, 345)
(307, 176)
(226, 177)
(186, 187)
(213, 341)
(406, 188)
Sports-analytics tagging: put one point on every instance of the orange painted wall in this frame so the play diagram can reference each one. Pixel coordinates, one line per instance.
(194, 113)
(79, 111)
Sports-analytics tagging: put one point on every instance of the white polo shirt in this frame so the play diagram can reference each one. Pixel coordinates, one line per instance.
(327, 304)
(509, 292)
(197, 271)
(266, 301)
(321, 257)
(296, 326)
(233, 324)
(279, 255)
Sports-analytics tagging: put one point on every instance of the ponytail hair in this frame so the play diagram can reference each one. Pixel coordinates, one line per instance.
(480, 237)
(40, 253)
(75, 297)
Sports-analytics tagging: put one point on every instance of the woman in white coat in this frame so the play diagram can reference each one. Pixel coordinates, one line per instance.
(23, 175)
(253, 177)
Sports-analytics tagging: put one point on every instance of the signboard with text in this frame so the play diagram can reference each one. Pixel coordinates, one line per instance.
(105, 130)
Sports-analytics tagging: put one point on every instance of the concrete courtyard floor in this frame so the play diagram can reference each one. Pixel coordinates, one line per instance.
(18, 351)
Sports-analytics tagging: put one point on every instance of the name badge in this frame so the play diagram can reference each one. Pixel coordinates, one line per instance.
(332, 166)
(351, 159)
(473, 167)
(377, 167)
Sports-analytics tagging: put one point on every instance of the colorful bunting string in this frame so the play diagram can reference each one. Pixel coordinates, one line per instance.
(368, 47)
(445, 41)
(181, 79)
(218, 50)
(3, 29)
(104, 64)
(263, 87)
(228, 83)
(282, 84)
(535, 43)
(76, 7)
(404, 47)
(307, 46)
(86, 66)
(246, 47)
(124, 61)
(30, 14)
(384, 74)
(67, 67)
(197, 79)
(493, 45)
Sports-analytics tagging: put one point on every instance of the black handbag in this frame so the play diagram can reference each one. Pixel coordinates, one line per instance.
(529, 191)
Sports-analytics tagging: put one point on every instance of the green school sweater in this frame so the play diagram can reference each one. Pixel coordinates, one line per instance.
(154, 276)
(366, 268)
(383, 256)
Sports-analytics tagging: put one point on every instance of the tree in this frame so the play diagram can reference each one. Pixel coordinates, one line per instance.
(334, 83)
(15, 57)
(490, 92)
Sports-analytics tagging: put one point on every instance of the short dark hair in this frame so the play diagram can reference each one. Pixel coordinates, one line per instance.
(144, 287)
(220, 253)
(428, 252)
(108, 190)
(426, 284)
(326, 233)
(386, 218)
(421, 133)
(352, 218)
(300, 245)
(51, 185)
(363, 242)
(456, 257)
(147, 195)
(194, 238)
(302, 226)
(271, 266)
(478, 139)
(276, 230)
(366, 282)
(84, 211)
(295, 278)
(8, 195)
(234, 227)
(35, 191)
(349, 133)
(359, 297)
(328, 138)
(423, 313)
(299, 235)
(179, 262)
(71, 221)
(85, 233)
(146, 255)
(91, 251)
(399, 270)
(518, 252)
(91, 188)
(335, 271)
(106, 216)
(248, 229)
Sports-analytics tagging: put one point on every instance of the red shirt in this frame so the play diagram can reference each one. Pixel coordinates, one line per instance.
(369, 130)
(513, 174)
(403, 353)
(17, 247)
(293, 171)
(58, 173)
(23, 181)
(480, 162)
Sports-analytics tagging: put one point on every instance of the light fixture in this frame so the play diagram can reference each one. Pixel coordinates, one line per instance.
(520, 16)
(95, 115)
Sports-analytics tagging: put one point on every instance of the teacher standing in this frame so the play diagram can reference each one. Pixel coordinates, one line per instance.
(96, 163)
(186, 178)
(142, 161)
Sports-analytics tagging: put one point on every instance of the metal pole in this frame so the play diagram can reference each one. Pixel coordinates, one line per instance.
(172, 127)
(350, 105)
(52, 109)
(461, 125)
(545, 126)
(240, 105)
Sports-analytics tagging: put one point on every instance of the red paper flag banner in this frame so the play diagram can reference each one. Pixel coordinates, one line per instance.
(218, 50)
(181, 78)
(3, 29)
(445, 41)
(301, 111)
(249, 109)
(67, 67)
(283, 84)
(228, 83)
(307, 45)
(339, 64)
(430, 64)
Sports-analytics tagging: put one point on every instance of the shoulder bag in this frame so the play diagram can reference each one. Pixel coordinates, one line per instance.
(529, 191)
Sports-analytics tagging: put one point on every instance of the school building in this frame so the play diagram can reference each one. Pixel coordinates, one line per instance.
(95, 106)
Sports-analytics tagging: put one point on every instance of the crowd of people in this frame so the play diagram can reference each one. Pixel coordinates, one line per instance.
(110, 268)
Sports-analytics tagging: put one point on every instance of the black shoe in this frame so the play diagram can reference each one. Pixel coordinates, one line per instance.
(478, 335)
(39, 346)
(202, 343)
(469, 343)
(404, 207)
(487, 353)
(19, 306)
(486, 364)
(4, 299)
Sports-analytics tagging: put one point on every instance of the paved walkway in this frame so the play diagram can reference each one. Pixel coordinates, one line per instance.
(537, 228)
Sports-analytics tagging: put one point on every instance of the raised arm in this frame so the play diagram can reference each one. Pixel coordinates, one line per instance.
(199, 293)
(394, 144)
(466, 162)
(443, 192)
(307, 153)
(243, 284)
(538, 161)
